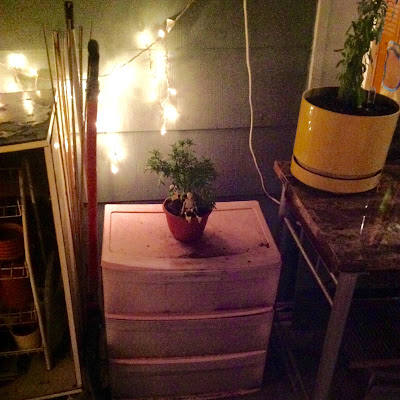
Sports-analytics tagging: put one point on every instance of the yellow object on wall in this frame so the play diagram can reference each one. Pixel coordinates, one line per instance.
(337, 152)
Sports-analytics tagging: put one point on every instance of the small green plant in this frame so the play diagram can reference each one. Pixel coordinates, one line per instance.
(187, 174)
(356, 51)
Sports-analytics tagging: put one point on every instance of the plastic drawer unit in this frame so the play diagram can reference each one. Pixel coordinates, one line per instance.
(179, 312)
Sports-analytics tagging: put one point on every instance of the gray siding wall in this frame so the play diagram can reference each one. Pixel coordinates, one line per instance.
(207, 66)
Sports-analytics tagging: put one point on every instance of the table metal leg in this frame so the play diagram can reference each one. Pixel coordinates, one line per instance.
(282, 229)
(333, 337)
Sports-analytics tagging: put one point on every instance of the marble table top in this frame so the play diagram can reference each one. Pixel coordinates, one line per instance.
(25, 116)
(353, 233)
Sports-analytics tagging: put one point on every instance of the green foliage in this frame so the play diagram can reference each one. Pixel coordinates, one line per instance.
(186, 172)
(356, 52)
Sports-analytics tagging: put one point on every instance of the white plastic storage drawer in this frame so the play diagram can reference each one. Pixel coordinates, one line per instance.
(188, 335)
(234, 265)
(138, 378)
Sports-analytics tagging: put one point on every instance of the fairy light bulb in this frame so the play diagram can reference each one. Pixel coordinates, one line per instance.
(33, 72)
(170, 113)
(163, 130)
(144, 39)
(114, 169)
(16, 61)
(161, 34)
(172, 91)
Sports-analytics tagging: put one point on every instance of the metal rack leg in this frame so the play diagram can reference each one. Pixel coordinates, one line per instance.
(333, 337)
(282, 229)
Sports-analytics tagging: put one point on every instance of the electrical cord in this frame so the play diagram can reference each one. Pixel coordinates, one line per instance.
(246, 32)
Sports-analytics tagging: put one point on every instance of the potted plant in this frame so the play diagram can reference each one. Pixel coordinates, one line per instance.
(344, 133)
(190, 200)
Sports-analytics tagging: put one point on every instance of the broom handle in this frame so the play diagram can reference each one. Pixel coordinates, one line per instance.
(91, 132)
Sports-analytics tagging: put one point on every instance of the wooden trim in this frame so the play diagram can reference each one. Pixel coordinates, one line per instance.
(23, 146)
(63, 260)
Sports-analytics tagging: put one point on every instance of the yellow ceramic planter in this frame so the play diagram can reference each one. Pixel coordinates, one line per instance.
(337, 152)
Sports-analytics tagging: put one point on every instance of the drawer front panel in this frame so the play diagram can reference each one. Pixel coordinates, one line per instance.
(186, 376)
(133, 292)
(187, 336)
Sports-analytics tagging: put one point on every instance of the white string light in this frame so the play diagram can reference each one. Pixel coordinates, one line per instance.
(162, 93)
(16, 63)
(169, 111)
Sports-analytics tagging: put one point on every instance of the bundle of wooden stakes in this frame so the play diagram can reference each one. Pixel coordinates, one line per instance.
(75, 130)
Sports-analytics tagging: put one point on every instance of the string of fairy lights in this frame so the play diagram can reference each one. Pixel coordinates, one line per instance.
(162, 93)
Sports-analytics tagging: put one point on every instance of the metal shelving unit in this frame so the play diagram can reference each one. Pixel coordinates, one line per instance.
(54, 369)
(15, 207)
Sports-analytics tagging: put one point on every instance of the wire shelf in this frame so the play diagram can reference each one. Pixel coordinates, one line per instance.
(21, 317)
(13, 353)
(10, 208)
(13, 270)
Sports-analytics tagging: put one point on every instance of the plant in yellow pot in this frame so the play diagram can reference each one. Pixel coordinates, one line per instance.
(344, 133)
(190, 200)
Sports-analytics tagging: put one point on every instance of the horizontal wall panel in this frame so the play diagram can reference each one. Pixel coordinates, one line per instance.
(228, 149)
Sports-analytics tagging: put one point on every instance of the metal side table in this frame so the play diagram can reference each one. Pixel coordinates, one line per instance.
(354, 236)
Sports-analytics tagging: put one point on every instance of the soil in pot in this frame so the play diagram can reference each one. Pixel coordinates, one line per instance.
(327, 99)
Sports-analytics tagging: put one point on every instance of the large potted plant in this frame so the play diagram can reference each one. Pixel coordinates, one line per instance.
(190, 200)
(344, 133)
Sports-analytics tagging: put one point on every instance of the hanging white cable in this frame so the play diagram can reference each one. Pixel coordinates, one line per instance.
(246, 32)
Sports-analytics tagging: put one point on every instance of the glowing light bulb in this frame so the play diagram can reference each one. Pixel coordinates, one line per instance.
(144, 39)
(161, 33)
(114, 168)
(172, 91)
(33, 72)
(17, 61)
(163, 130)
(56, 145)
(170, 113)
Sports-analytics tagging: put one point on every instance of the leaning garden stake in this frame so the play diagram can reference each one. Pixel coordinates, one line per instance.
(344, 133)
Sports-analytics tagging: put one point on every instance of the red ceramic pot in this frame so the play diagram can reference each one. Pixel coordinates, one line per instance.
(11, 241)
(15, 289)
(183, 230)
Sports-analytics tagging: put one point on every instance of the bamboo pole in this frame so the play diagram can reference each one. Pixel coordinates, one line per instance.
(63, 118)
(57, 107)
